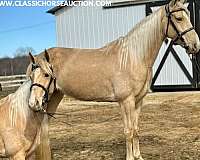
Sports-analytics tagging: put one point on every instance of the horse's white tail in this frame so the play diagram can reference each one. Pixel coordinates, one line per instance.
(43, 151)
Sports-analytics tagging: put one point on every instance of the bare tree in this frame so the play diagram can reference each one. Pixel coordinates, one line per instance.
(18, 64)
(23, 51)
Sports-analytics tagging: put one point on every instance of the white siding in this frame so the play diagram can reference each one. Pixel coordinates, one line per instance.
(93, 27)
(171, 73)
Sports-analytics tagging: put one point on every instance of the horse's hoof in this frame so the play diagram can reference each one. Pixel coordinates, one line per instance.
(139, 158)
(131, 158)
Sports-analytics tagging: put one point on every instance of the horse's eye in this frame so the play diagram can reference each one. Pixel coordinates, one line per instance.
(46, 75)
(179, 18)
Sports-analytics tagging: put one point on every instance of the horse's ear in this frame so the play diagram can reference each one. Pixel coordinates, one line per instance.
(173, 2)
(46, 54)
(32, 59)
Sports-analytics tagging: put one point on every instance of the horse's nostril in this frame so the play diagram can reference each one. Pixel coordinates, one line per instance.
(31, 104)
(186, 47)
(195, 46)
(198, 46)
(37, 103)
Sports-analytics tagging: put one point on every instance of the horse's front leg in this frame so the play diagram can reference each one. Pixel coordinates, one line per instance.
(19, 155)
(130, 114)
(128, 107)
(136, 148)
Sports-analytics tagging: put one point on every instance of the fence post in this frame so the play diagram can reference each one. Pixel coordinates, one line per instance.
(0, 87)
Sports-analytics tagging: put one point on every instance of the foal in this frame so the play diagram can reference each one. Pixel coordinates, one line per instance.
(21, 127)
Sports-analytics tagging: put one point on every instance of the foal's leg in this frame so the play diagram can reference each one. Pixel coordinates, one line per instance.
(136, 149)
(128, 108)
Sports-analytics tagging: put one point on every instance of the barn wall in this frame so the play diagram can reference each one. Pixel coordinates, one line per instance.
(93, 27)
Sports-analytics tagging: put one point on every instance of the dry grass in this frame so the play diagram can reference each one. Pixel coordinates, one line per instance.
(169, 129)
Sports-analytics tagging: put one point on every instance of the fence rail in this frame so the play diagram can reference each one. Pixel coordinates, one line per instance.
(8, 82)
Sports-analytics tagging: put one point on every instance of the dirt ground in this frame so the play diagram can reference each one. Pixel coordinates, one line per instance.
(169, 129)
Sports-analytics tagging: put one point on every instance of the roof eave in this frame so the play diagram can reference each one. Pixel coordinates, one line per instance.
(55, 9)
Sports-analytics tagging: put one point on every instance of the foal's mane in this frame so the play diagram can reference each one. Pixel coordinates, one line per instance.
(21, 95)
(19, 102)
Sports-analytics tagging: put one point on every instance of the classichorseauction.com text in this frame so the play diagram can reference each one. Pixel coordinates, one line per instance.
(53, 3)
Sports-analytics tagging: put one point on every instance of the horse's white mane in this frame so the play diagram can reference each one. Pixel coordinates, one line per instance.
(22, 94)
(19, 102)
(138, 42)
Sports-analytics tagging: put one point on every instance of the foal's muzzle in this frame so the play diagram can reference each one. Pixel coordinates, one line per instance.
(36, 105)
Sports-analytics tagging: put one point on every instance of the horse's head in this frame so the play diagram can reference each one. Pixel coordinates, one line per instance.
(178, 26)
(43, 82)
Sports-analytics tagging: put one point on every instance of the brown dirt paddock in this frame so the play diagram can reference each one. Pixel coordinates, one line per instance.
(169, 129)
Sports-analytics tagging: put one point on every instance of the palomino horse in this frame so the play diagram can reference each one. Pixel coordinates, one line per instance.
(119, 72)
(21, 128)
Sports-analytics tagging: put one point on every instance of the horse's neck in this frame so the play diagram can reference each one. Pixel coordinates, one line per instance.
(144, 41)
(54, 101)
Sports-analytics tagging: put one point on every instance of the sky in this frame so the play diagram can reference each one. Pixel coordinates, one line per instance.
(26, 27)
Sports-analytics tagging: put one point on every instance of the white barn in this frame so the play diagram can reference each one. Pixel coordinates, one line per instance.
(93, 27)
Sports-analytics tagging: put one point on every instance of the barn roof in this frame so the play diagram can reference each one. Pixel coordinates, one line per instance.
(54, 9)
(115, 3)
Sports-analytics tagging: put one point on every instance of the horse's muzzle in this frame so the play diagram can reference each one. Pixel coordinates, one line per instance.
(192, 48)
(34, 105)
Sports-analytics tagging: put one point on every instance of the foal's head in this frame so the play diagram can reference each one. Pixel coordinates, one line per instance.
(43, 82)
(178, 26)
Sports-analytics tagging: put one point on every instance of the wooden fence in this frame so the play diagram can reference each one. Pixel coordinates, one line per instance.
(9, 82)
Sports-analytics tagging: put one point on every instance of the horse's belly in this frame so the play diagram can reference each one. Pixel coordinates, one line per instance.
(90, 93)
(99, 90)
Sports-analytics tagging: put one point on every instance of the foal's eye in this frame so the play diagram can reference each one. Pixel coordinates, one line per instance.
(46, 75)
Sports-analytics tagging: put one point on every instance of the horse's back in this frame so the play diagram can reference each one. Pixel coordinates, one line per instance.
(110, 47)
